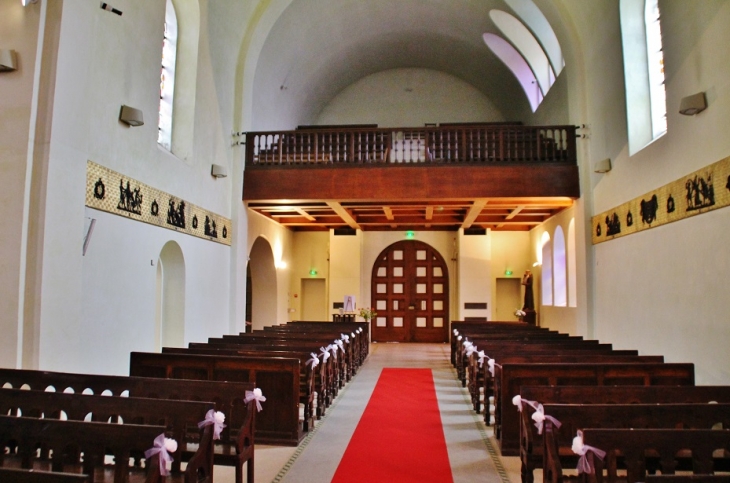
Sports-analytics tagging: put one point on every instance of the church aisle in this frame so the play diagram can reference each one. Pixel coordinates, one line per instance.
(468, 441)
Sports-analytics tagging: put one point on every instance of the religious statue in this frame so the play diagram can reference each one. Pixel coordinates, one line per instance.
(529, 299)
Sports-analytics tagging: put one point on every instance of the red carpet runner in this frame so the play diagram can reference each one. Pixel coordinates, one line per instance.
(399, 437)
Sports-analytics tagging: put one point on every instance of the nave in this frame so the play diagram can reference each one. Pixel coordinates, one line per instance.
(469, 442)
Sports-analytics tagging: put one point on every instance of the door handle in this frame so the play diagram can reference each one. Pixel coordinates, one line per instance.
(411, 307)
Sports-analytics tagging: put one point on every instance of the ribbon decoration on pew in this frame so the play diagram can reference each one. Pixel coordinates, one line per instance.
(325, 353)
(584, 465)
(491, 363)
(216, 418)
(255, 395)
(517, 401)
(481, 355)
(314, 360)
(333, 349)
(340, 344)
(470, 349)
(164, 446)
(345, 337)
(539, 417)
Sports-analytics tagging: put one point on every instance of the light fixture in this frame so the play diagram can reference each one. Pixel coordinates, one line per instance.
(131, 116)
(28, 2)
(8, 60)
(602, 166)
(694, 104)
(218, 171)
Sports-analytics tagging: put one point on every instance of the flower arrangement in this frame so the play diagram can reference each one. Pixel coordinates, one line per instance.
(367, 313)
(520, 313)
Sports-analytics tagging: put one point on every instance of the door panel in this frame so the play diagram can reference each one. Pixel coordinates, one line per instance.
(410, 293)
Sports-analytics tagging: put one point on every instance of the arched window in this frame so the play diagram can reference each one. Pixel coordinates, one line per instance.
(572, 271)
(546, 284)
(531, 49)
(167, 77)
(560, 295)
(646, 105)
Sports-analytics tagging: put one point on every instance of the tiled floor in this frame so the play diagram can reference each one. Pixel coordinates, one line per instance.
(473, 452)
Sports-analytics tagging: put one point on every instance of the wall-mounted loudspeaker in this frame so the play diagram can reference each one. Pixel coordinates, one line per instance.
(218, 171)
(694, 104)
(602, 166)
(131, 116)
(8, 60)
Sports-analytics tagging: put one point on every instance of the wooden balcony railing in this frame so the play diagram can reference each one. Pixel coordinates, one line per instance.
(473, 144)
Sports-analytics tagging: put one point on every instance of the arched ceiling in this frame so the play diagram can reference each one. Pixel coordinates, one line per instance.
(316, 48)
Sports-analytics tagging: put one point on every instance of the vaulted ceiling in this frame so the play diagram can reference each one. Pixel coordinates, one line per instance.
(316, 48)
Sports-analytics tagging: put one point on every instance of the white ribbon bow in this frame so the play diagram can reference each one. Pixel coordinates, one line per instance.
(352, 334)
(340, 344)
(325, 351)
(491, 363)
(164, 446)
(518, 401)
(481, 355)
(458, 338)
(456, 332)
(255, 395)
(584, 466)
(539, 417)
(345, 337)
(333, 349)
(314, 360)
(470, 349)
(215, 418)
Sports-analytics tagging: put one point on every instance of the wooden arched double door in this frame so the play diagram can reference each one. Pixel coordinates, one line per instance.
(410, 293)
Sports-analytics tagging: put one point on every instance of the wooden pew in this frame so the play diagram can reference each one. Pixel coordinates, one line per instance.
(306, 391)
(574, 417)
(67, 439)
(236, 446)
(480, 378)
(179, 417)
(510, 377)
(632, 445)
(277, 377)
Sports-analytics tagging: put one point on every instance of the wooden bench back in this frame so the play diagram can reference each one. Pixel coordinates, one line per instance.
(509, 378)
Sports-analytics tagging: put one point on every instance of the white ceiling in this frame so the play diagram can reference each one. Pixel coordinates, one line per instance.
(316, 48)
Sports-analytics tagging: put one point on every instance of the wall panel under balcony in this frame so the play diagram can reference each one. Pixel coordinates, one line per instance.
(390, 182)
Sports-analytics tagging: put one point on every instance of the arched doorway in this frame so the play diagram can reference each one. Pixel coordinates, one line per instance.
(170, 311)
(263, 285)
(410, 293)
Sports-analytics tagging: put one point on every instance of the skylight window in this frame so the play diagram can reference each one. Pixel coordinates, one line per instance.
(518, 65)
(530, 43)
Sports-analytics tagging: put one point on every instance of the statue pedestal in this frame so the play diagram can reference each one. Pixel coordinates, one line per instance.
(530, 316)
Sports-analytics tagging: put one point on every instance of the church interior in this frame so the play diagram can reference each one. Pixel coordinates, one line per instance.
(185, 169)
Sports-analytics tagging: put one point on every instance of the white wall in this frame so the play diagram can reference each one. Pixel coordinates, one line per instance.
(661, 290)
(409, 97)
(475, 275)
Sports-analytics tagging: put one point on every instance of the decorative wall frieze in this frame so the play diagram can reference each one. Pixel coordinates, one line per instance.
(109, 191)
(704, 190)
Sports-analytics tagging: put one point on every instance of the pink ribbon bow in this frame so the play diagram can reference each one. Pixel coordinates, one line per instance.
(539, 417)
(518, 401)
(314, 360)
(163, 446)
(584, 466)
(215, 418)
(255, 395)
(345, 337)
(340, 344)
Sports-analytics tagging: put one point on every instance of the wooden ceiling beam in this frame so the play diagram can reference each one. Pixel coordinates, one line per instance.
(474, 211)
(344, 214)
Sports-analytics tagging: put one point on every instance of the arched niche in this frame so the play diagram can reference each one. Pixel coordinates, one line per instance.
(264, 288)
(170, 307)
